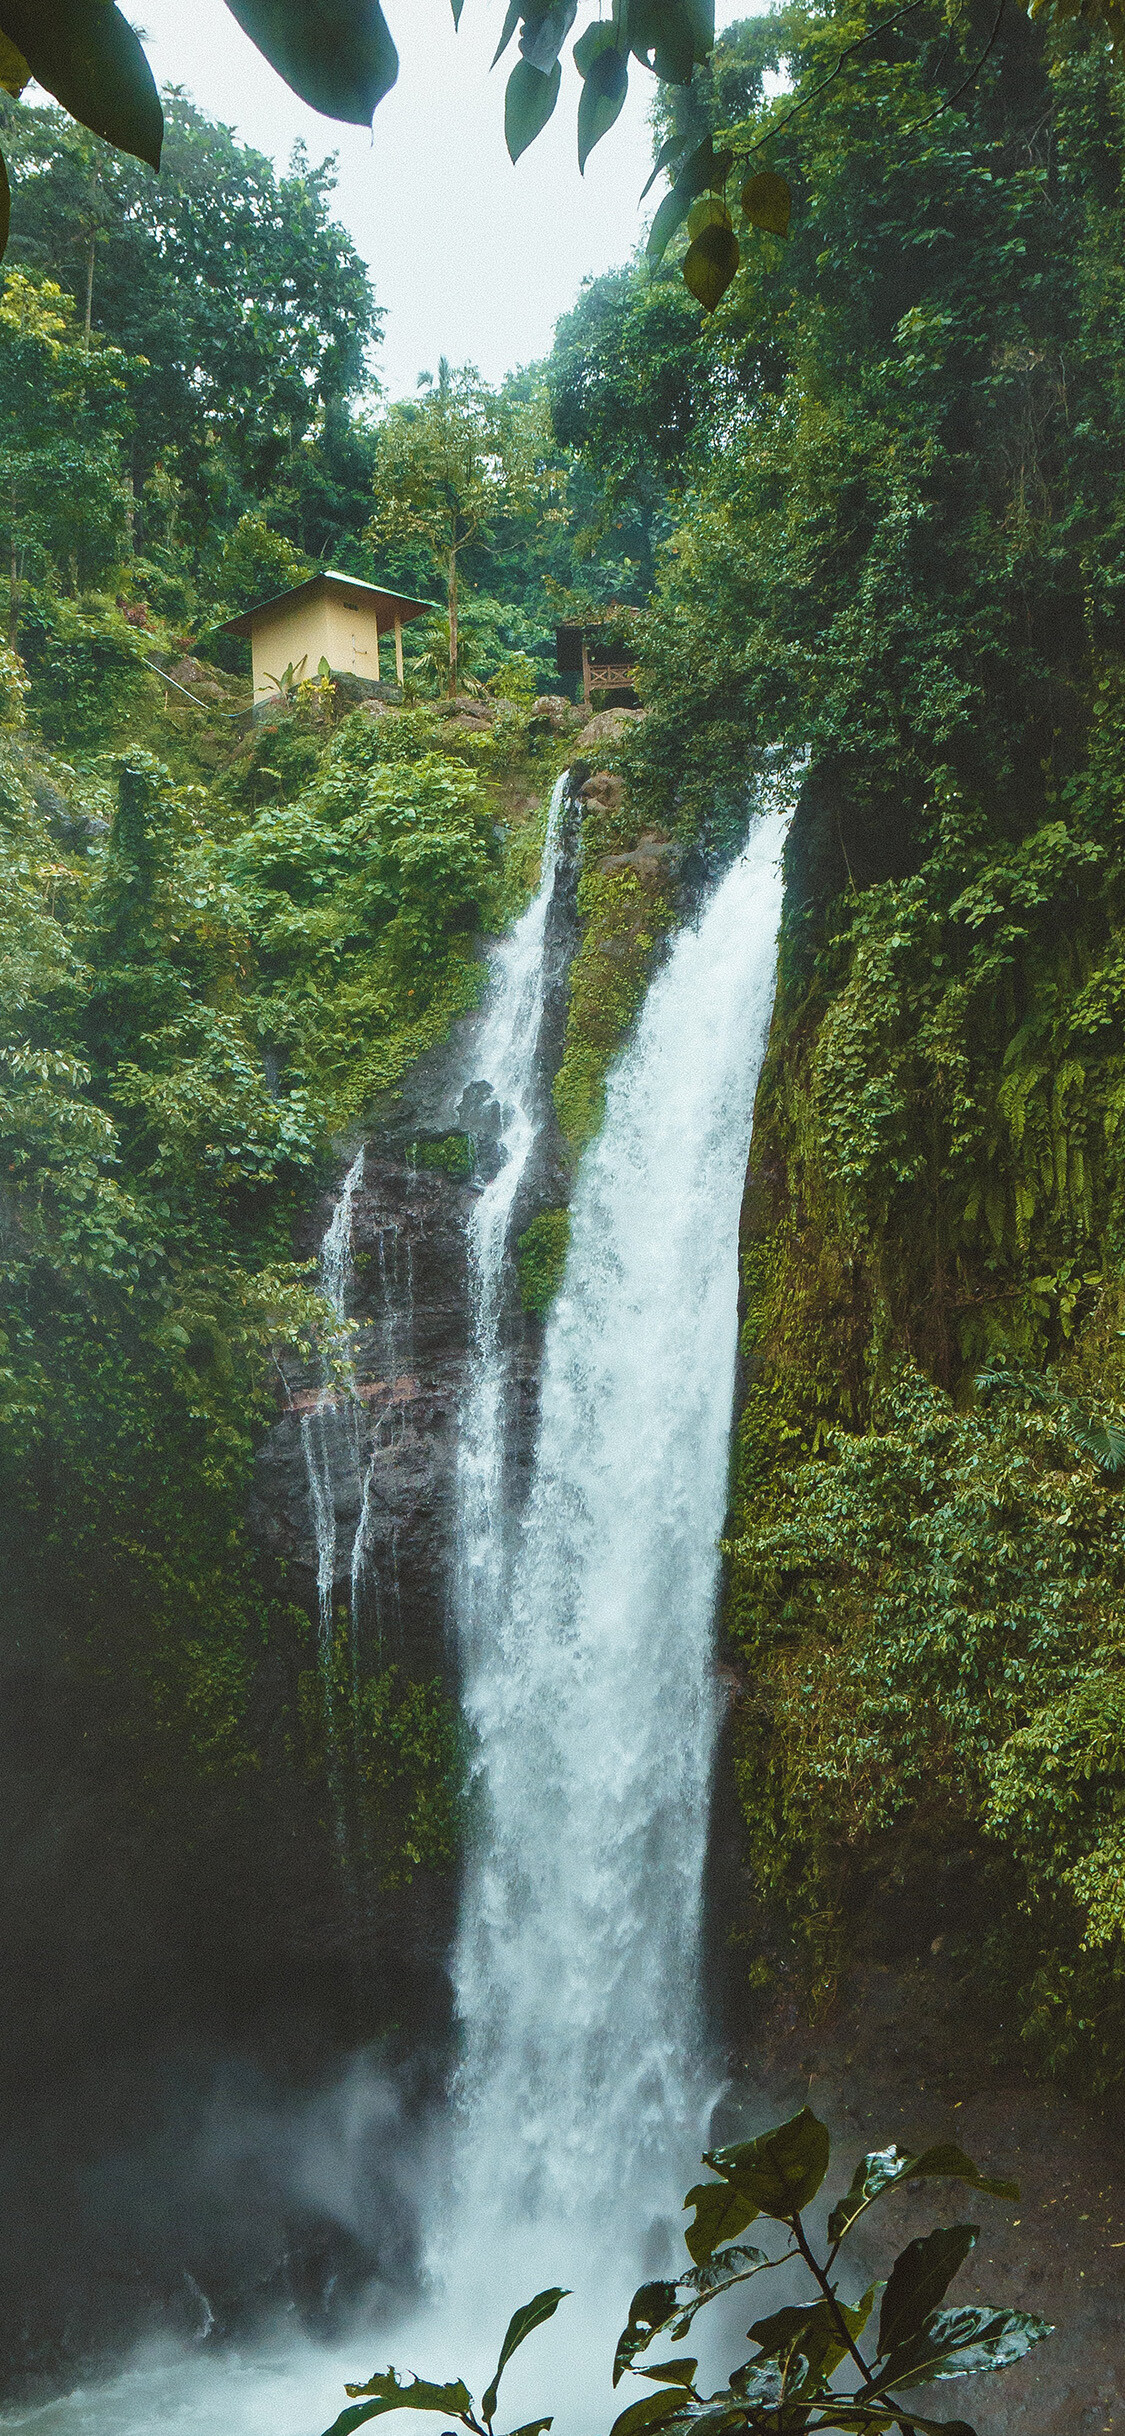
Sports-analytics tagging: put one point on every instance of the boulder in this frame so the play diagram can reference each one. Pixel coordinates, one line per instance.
(654, 858)
(562, 717)
(607, 727)
(605, 791)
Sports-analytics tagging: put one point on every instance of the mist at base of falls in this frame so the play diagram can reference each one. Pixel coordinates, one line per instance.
(586, 1628)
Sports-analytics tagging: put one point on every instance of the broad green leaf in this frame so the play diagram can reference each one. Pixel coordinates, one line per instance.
(457, 6)
(962, 2343)
(673, 2306)
(703, 168)
(337, 54)
(709, 212)
(388, 2395)
(710, 263)
(417, 2396)
(5, 207)
(767, 202)
(919, 2279)
(674, 2372)
(650, 2412)
(782, 2170)
(605, 72)
(522, 2323)
(545, 29)
(720, 2214)
(529, 100)
(86, 54)
(14, 70)
(884, 2167)
(671, 36)
(512, 17)
(649, 2310)
(670, 151)
(812, 2331)
(534, 2427)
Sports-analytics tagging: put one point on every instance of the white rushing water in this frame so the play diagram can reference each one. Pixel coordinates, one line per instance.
(586, 1640)
(587, 1652)
(506, 1059)
(332, 1422)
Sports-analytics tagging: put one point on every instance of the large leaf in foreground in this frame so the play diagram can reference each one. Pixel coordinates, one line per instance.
(884, 2167)
(781, 2171)
(86, 54)
(522, 2322)
(337, 54)
(962, 2343)
(919, 2280)
(383, 2392)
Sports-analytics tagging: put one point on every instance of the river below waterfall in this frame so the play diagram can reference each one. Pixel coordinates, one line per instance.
(585, 1625)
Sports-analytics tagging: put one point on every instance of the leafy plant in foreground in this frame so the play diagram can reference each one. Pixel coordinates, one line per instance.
(383, 2392)
(789, 2385)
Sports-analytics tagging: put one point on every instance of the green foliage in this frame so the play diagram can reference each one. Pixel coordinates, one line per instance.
(451, 1154)
(364, 895)
(453, 2400)
(244, 316)
(155, 1166)
(541, 1260)
(793, 2378)
(624, 914)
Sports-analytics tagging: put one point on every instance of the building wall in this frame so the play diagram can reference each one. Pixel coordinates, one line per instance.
(292, 633)
(353, 644)
(310, 631)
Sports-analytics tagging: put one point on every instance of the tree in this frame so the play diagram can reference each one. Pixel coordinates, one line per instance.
(63, 407)
(249, 303)
(449, 464)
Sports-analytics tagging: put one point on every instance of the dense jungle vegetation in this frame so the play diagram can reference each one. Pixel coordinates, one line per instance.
(869, 514)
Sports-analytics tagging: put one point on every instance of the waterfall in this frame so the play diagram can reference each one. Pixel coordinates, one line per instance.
(322, 1428)
(508, 1062)
(587, 1657)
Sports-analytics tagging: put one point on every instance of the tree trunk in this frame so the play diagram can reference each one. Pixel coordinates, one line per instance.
(452, 624)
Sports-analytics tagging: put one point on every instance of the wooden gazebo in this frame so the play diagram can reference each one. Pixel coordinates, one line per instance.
(581, 652)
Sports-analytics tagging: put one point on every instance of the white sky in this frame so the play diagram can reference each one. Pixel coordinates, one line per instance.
(471, 258)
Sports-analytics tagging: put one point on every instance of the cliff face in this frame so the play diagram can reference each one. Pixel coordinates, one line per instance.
(391, 1450)
(926, 1561)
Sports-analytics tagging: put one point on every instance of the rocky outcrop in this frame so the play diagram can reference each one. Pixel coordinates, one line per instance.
(390, 1448)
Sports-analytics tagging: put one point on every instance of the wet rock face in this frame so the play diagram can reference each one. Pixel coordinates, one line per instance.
(383, 1460)
(389, 1452)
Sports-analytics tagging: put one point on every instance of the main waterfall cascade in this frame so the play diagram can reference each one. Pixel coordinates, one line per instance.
(585, 1626)
(586, 1632)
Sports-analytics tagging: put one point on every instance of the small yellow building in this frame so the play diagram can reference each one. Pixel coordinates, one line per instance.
(332, 617)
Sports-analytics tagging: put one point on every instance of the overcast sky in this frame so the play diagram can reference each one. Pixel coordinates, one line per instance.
(471, 258)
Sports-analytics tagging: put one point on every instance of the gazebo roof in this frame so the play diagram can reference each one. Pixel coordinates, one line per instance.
(386, 603)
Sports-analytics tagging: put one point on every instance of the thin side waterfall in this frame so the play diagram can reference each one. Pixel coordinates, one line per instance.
(507, 1058)
(588, 1678)
(321, 1428)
